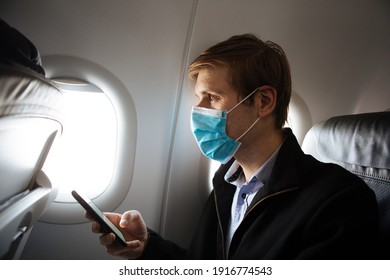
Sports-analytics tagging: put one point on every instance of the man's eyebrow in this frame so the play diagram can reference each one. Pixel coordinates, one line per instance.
(211, 92)
(202, 92)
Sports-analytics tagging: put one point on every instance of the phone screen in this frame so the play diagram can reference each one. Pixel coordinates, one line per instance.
(105, 223)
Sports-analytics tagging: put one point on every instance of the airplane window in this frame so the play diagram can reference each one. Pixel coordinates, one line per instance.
(96, 151)
(299, 118)
(213, 167)
(84, 158)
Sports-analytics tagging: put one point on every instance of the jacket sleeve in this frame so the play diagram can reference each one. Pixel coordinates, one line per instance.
(160, 249)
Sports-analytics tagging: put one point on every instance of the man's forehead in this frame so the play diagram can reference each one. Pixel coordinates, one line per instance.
(216, 80)
(221, 71)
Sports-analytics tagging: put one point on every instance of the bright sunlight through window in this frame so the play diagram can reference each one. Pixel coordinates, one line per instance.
(84, 157)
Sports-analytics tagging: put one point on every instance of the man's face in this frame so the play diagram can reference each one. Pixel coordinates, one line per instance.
(214, 90)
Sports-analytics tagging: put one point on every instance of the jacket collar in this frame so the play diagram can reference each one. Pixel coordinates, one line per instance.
(283, 176)
(285, 172)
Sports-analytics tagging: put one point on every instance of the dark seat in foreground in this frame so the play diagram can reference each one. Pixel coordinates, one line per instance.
(361, 144)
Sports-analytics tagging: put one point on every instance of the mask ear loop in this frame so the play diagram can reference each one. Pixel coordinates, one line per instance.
(239, 103)
(248, 129)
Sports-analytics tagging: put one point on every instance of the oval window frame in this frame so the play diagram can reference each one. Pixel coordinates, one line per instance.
(79, 68)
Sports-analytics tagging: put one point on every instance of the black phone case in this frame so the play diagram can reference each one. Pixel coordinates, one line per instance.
(103, 224)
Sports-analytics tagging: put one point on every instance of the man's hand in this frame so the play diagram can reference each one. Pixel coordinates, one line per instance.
(133, 227)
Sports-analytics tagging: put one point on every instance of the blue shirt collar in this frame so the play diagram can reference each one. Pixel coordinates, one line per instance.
(234, 174)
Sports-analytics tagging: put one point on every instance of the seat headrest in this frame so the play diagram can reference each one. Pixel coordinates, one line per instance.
(15, 48)
(361, 144)
(361, 139)
(25, 93)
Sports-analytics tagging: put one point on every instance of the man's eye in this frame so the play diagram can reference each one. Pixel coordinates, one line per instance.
(213, 97)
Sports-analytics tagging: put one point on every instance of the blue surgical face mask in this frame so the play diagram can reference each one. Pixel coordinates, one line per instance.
(209, 129)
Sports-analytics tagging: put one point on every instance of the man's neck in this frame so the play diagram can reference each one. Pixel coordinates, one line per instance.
(252, 156)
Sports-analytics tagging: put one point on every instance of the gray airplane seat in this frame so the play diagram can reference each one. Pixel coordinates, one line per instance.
(30, 120)
(361, 144)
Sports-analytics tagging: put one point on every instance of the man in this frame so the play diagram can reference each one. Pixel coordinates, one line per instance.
(270, 200)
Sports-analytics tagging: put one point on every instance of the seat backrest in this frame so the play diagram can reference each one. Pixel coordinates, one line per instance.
(361, 144)
(30, 120)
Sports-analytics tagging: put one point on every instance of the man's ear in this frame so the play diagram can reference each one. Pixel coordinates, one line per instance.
(265, 101)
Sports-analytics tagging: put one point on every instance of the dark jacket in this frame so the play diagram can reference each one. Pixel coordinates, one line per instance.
(307, 210)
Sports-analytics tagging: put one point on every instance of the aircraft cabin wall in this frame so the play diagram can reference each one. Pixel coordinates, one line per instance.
(340, 62)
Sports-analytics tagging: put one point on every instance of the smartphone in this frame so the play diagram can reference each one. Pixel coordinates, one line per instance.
(106, 225)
